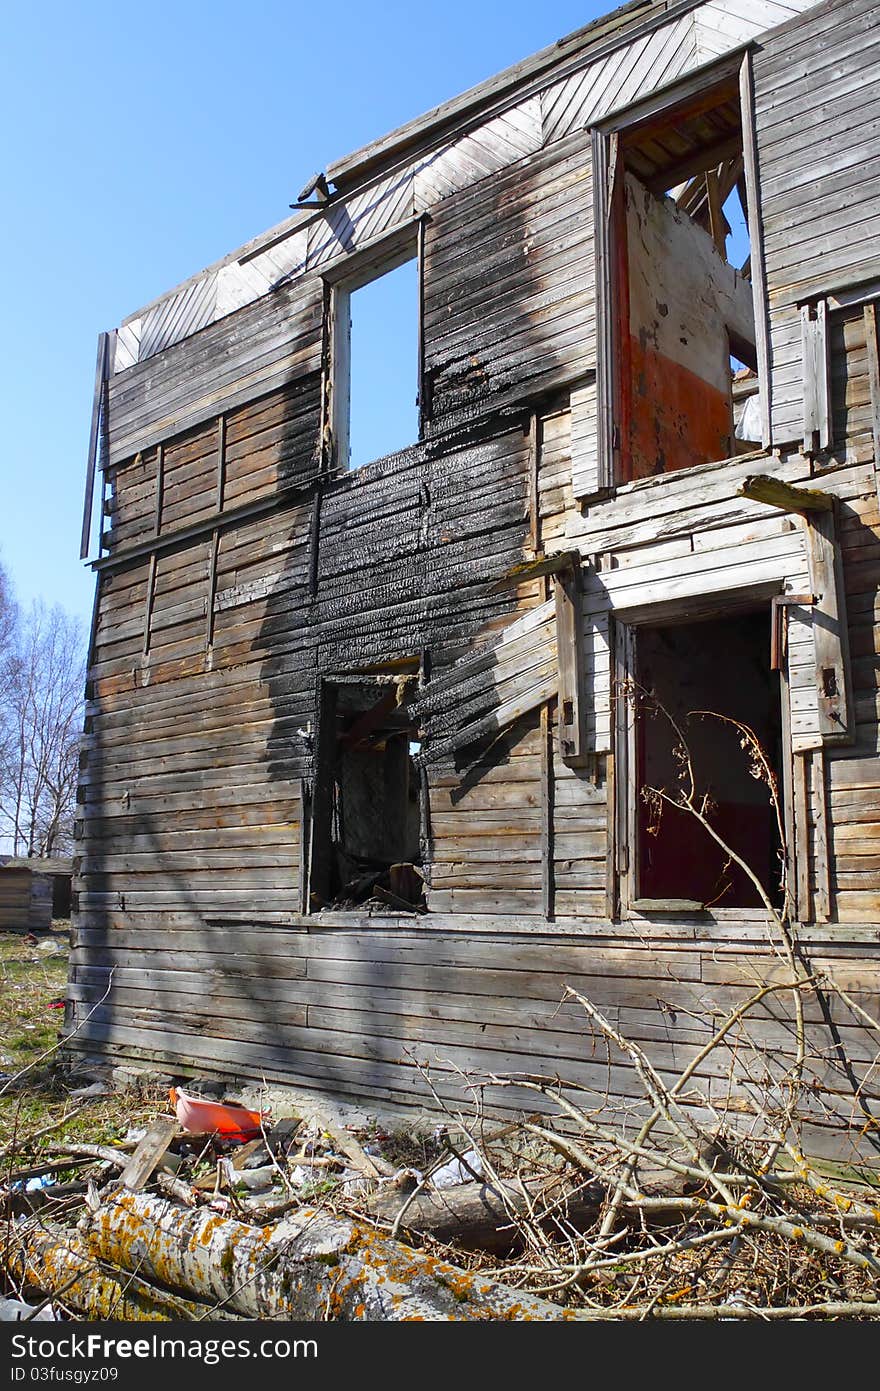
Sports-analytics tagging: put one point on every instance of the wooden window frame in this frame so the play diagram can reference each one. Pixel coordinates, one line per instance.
(340, 283)
(611, 406)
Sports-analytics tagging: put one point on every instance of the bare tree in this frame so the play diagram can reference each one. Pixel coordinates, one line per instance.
(41, 695)
(8, 645)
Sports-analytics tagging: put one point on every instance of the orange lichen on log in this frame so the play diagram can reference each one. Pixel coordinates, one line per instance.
(281, 1271)
(48, 1259)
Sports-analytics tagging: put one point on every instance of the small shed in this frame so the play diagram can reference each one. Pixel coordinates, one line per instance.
(32, 893)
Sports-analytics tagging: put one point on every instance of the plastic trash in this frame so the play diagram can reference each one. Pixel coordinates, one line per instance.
(93, 1089)
(15, 1311)
(31, 1185)
(254, 1180)
(201, 1117)
(306, 1175)
(43, 1181)
(455, 1172)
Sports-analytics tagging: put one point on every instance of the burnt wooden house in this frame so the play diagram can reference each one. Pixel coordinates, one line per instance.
(363, 768)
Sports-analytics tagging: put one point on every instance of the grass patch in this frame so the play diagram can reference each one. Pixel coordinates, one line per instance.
(32, 979)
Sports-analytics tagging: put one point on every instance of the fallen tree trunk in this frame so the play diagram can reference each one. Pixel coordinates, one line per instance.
(479, 1216)
(54, 1261)
(311, 1265)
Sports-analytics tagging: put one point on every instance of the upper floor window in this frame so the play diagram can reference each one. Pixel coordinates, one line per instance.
(375, 358)
(679, 339)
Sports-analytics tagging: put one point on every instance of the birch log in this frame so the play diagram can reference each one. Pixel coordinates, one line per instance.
(54, 1260)
(311, 1265)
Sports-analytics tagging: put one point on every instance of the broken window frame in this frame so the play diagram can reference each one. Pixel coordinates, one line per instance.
(608, 169)
(821, 313)
(317, 790)
(340, 283)
(624, 898)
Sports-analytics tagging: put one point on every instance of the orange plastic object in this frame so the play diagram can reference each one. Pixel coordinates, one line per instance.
(200, 1117)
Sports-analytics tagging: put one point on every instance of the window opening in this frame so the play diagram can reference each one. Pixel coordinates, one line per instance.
(685, 354)
(376, 364)
(721, 666)
(367, 811)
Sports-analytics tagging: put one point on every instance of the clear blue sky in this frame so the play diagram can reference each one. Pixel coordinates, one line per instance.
(143, 142)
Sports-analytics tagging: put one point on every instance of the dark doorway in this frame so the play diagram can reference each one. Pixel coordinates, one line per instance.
(367, 805)
(720, 666)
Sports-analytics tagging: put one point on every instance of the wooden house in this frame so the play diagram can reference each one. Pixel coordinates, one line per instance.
(33, 892)
(364, 761)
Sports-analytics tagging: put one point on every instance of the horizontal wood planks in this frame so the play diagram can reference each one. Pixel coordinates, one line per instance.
(817, 96)
(356, 1012)
(264, 346)
(510, 303)
(242, 572)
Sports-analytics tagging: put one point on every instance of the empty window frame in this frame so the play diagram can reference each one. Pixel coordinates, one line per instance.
(375, 355)
(367, 799)
(693, 686)
(682, 345)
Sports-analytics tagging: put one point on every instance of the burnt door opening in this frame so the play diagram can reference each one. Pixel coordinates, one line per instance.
(719, 666)
(366, 817)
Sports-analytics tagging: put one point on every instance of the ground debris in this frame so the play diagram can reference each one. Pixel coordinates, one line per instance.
(564, 1213)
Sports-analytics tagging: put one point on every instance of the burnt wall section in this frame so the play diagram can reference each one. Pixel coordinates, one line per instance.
(240, 456)
(818, 157)
(509, 286)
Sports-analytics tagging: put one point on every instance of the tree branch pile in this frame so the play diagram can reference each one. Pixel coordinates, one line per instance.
(697, 1198)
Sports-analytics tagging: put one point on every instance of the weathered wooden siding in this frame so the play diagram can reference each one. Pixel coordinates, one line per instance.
(852, 406)
(265, 345)
(25, 900)
(817, 89)
(510, 299)
(853, 774)
(354, 1010)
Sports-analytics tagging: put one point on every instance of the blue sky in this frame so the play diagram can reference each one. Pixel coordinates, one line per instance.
(143, 143)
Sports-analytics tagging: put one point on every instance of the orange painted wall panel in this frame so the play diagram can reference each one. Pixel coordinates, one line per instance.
(678, 420)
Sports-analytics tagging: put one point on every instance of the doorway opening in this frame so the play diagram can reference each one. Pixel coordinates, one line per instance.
(697, 672)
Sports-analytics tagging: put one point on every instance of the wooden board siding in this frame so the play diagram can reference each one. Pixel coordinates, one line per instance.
(509, 263)
(492, 147)
(220, 709)
(722, 22)
(853, 774)
(264, 346)
(354, 1011)
(235, 458)
(579, 100)
(25, 900)
(819, 162)
(852, 414)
